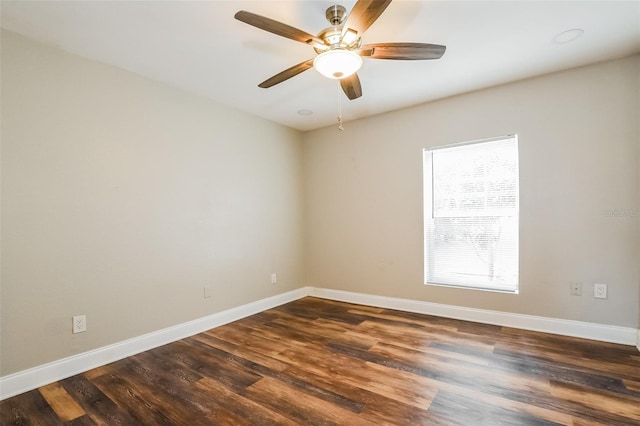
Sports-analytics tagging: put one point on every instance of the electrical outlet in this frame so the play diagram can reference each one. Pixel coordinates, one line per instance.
(79, 324)
(575, 288)
(274, 278)
(600, 291)
(207, 291)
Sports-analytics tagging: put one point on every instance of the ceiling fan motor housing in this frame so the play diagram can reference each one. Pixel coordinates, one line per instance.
(332, 37)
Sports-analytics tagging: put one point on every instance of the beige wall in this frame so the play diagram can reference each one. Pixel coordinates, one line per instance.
(579, 156)
(122, 198)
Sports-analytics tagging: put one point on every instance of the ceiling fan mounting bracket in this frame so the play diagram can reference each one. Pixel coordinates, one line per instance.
(335, 14)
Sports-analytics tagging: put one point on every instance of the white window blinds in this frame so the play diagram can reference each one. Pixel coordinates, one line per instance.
(471, 215)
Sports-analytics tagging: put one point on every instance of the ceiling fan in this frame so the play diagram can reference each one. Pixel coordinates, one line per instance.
(339, 48)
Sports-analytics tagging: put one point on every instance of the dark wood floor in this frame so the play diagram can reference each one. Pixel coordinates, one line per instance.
(318, 362)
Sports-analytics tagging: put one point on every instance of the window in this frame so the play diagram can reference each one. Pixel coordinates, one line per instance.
(471, 215)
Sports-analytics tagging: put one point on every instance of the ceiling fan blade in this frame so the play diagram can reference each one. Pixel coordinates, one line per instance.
(405, 51)
(276, 27)
(351, 86)
(287, 74)
(363, 14)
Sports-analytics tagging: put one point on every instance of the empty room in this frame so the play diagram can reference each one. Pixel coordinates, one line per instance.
(370, 212)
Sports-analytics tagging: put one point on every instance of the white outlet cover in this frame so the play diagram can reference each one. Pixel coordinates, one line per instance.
(79, 324)
(600, 291)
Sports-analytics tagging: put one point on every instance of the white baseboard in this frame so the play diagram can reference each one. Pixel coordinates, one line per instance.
(33, 378)
(585, 330)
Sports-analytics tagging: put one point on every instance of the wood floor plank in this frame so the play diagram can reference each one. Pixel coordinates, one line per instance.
(632, 385)
(242, 351)
(321, 362)
(99, 407)
(97, 372)
(265, 342)
(143, 404)
(81, 421)
(320, 332)
(512, 361)
(248, 411)
(198, 358)
(378, 409)
(427, 336)
(173, 394)
(396, 317)
(442, 366)
(61, 402)
(299, 407)
(28, 409)
(457, 410)
(622, 368)
(318, 304)
(304, 387)
(358, 373)
(589, 397)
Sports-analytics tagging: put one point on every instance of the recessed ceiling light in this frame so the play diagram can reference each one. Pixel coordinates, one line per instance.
(568, 36)
(305, 112)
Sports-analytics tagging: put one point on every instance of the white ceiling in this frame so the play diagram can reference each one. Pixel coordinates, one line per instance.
(201, 48)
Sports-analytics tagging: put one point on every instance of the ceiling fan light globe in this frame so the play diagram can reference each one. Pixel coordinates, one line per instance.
(337, 63)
